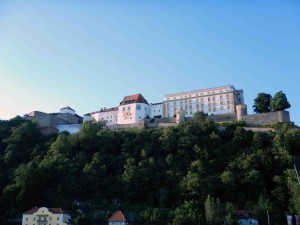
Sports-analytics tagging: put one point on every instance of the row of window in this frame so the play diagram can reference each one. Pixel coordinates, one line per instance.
(197, 100)
(198, 94)
(191, 111)
(138, 107)
(44, 224)
(42, 218)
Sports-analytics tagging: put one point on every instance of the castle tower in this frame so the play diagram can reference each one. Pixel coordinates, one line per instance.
(241, 110)
(180, 116)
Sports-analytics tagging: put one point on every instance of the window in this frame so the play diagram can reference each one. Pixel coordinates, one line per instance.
(138, 107)
(57, 218)
(208, 99)
(26, 218)
(123, 109)
(50, 218)
(128, 108)
(33, 218)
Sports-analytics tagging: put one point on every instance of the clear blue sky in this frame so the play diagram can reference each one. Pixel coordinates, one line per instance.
(89, 54)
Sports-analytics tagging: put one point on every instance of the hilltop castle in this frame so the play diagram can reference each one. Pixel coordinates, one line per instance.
(222, 104)
(135, 108)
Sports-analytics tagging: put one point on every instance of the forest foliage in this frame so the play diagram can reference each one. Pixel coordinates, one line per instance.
(193, 173)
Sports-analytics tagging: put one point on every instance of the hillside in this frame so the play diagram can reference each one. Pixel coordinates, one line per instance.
(174, 175)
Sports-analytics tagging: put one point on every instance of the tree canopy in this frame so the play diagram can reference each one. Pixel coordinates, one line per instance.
(175, 175)
(279, 102)
(262, 103)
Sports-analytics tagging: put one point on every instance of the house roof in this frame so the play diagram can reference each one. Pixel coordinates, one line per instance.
(52, 210)
(137, 98)
(110, 109)
(68, 107)
(118, 216)
(159, 103)
(246, 214)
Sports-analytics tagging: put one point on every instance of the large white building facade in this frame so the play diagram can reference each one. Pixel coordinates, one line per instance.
(213, 101)
(135, 108)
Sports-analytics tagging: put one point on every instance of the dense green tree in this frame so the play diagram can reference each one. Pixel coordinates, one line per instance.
(214, 211)
(279, 102)
(262, 103)
(159, 176)
(187, 213)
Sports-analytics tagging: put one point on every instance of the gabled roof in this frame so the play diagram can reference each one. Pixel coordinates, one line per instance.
(118, 216)
(52, 210)
(137, 98)
(68, 107)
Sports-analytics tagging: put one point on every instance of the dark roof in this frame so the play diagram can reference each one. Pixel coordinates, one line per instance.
(68, 107)
(53, 210)
(137, 98)
(118, 216)
(159, 103)
(91, 113)
(110, 109)
(246, 214)
(102, 110)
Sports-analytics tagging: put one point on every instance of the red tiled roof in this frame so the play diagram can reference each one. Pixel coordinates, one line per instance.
(68, 107)
(53, 210)
(118, 216)
(137, 98)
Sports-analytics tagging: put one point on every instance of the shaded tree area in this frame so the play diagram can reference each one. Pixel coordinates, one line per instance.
(186, 174)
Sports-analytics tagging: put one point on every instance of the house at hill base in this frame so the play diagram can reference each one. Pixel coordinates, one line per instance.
(118, 218)
(247, 217)
(46, 216)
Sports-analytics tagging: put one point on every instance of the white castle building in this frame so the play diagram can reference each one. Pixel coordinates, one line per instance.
(135, 108)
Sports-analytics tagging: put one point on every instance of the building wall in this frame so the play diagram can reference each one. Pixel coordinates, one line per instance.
(44, 217)
(133, 113)
(71, 128)
(247, 222)
(118, 223)
(70, 118)
(219, 100)
(110, 117)
(47, 120)
(156, 110)
(70, 111)
(263, 119)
